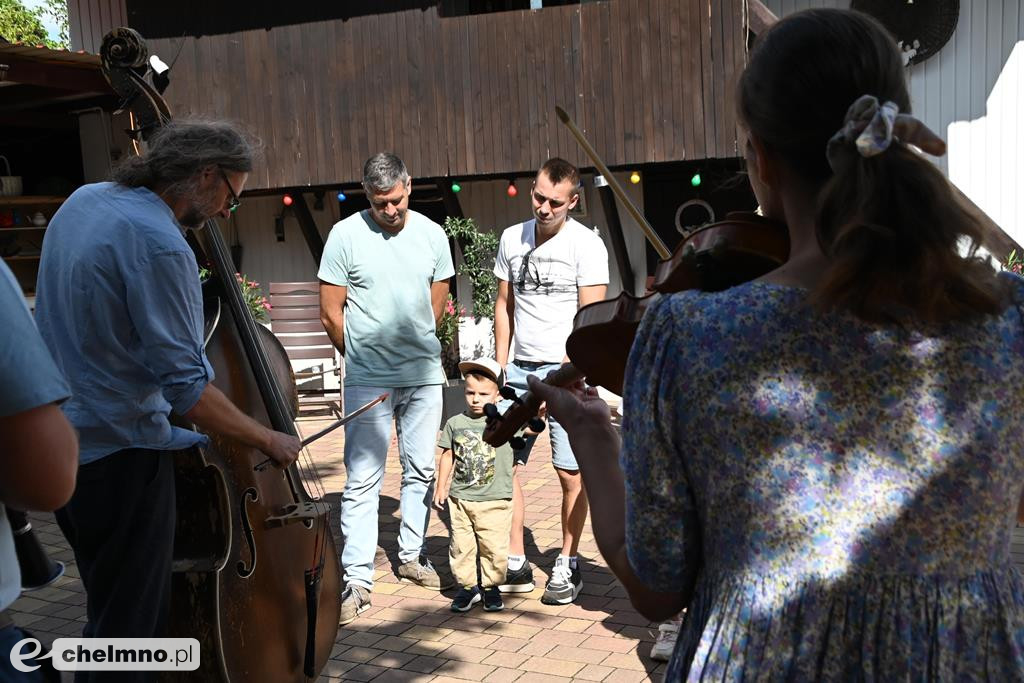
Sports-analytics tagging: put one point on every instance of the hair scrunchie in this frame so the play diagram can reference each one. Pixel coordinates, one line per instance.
(871, 127)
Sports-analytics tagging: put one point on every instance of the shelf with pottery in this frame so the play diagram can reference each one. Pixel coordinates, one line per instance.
(30, 200)
(24, 222)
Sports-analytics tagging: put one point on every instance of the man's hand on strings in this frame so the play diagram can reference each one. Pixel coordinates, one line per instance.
(282, 448)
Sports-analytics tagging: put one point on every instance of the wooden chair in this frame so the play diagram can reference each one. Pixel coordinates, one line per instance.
(295, 321)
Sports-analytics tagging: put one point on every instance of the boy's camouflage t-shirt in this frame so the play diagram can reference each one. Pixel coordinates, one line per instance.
(481, 471)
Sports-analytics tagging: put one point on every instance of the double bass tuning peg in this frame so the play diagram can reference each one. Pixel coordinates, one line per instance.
(517, 443)
(536, 425)
(491, 411)
(509, 394)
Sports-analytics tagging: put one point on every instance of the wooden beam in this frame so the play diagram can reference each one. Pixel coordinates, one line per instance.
(759, 17)
(307, 224)
(74, 79)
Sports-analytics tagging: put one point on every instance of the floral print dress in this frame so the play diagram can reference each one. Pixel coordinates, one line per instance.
(837, 495)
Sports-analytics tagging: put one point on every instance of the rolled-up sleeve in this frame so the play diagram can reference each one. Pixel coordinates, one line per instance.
(166, 306)
(663, 540)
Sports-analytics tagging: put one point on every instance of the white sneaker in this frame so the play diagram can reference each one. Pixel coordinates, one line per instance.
(665, 643)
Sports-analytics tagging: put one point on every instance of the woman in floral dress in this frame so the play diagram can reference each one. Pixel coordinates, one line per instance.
(824, 465)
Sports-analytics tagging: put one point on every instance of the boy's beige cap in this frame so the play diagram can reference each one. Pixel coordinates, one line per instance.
(488, 366)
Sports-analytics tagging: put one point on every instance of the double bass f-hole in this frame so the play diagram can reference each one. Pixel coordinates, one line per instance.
(250, 542)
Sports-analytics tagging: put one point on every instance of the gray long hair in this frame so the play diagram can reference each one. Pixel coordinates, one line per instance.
(179, 151)
(383, 171)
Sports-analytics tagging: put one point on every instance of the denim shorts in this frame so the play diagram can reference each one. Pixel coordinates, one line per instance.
(561, 454)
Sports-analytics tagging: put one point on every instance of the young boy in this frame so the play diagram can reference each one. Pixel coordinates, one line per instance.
(480, 492)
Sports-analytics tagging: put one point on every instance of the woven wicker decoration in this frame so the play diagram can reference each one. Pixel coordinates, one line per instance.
(921, 27)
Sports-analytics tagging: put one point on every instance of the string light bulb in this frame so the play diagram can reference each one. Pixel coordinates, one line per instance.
(634, 177)
(456, 187)
(287, 200)
(695, 180)
(512, 191)
(342, 197)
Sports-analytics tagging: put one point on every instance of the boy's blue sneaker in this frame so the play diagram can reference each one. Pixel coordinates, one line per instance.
(518, 580)
(465, 599)
(492, 599)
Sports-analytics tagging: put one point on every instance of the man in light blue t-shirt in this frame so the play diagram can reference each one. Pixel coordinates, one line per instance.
(384, 278)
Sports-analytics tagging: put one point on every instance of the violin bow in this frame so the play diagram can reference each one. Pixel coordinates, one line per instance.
(330, 428)
(620, 193)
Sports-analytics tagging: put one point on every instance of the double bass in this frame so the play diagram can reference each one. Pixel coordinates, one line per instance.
(256, 575)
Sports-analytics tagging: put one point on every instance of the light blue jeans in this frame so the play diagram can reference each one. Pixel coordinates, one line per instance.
(561, 454)
(416, 412)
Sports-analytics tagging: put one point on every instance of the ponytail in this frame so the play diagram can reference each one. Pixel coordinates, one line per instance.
(892, 229)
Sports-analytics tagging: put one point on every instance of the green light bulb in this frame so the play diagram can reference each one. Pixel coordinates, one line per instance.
(456, 187)
(695, 180)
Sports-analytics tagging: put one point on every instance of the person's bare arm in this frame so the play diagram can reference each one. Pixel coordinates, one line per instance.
(504, 322)
(214, 412)
(438, 294)
(444, 478)
(38, 459)
(591, 294)
(332, 313)
(597, 444)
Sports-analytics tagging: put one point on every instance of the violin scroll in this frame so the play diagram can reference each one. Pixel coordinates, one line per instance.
(503, 428)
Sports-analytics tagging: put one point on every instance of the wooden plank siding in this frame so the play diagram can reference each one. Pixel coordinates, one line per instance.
(89, 21)
(646, 80)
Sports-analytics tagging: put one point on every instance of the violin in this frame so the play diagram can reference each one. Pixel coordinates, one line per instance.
(715, 257)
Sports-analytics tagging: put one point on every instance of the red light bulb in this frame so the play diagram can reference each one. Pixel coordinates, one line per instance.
(287, 200)
(512, 191)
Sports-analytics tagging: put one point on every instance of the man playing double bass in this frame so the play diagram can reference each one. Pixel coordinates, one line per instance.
(119, 306)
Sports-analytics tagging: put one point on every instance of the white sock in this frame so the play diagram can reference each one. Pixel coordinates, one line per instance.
(516, 562)
(573, 561)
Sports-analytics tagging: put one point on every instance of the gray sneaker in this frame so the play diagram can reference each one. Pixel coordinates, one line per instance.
(354, 601)
(564, 585)
(420, 572)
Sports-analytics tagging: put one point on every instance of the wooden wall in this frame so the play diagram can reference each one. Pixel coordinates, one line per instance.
(89, 21)
(647, 80)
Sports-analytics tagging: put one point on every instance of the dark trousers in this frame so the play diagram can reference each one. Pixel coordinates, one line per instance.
(43, 672)
(120, 524)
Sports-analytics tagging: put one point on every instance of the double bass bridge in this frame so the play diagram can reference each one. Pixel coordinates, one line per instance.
(307, 512)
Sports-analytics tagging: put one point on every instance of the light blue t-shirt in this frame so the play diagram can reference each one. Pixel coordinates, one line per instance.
(30, 379)
(119, 304)
(389, 322)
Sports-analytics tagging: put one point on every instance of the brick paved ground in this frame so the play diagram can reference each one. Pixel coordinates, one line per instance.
(409, 634)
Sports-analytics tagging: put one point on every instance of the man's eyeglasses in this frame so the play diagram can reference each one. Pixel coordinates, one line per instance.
(235, 201)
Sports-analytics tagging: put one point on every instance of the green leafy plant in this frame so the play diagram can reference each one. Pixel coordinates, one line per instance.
(19, 24)
(478, 252)
(258, 304)
(1014, 263)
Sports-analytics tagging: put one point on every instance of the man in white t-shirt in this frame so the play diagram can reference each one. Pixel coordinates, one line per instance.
(548, 268)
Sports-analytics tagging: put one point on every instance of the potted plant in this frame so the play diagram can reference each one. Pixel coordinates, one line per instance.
(258, 304)
(479, 250)
(447, 333)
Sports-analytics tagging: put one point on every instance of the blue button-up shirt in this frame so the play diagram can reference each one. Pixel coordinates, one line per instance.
(119, 304)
